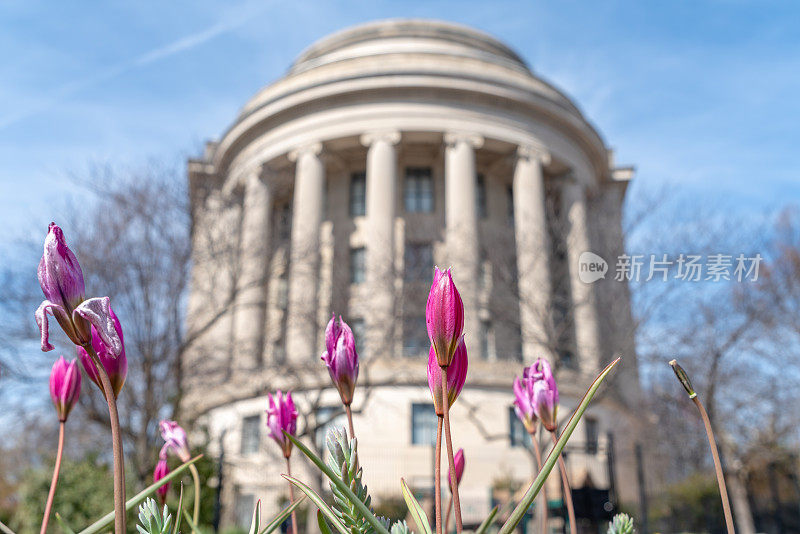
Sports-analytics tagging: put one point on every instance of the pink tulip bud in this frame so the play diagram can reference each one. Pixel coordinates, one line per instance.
(458, 459)
(60, 275)
(444, 316)
(61, 279)
(523, 403)
(282, 417)
(543, 392)
(65, 386)
(341, 358)
(545, 401)
(161, 470)
(175, 438)
(116, 367)
(456, 376)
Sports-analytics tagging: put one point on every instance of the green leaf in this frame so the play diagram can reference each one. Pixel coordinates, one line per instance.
(552, 458)
(106, 520)
(256, 522)
(488, 522)
(323, 525)
(377, 525)
(176, 530)
(150, 521)
(343, 459)
(420, 518)
(188, 519)
(621, 524)
(320, 504)
(63, 524)
(281, 517)
(400, 527)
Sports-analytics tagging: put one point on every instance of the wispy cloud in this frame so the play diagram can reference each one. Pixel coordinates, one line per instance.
(176, 47)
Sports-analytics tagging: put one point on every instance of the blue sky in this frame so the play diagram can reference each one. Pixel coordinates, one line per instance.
(701, 95)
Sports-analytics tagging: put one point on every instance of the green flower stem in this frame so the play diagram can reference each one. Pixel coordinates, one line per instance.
(196, 479)
(723, 490)
(101, 525)
(450, 457)
(337, 481)
(291, 495)
(518, 513)
(350, 420)
(573, 528)
(437, 475)
(52, 493)
(116, 442)
(543, 500)
(683, 378)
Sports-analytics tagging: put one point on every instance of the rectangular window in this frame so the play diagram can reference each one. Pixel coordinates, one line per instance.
(328, 417)
(592, 433)
(357, 265)
(359, 334)
(245, 504)
(415, 336)
(517, 435)
(480, 196)
(418, 190)
(419, 262)
(486, 340)
(251, 434)
(358, 194)
(423, 424)
(284, 213)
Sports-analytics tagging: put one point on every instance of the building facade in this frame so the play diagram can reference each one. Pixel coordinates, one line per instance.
(389, 148)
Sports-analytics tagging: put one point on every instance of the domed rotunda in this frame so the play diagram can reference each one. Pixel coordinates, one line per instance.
(386, 149)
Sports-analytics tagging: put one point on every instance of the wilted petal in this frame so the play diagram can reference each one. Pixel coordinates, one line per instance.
(50, 308)
(115, 366)
(97, 311)
(175, 437)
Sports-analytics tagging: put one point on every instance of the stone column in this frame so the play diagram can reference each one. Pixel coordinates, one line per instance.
(461, 220)
(533, 254)
(301, 322)
(251, 291)
(584, 304)
(381, 203)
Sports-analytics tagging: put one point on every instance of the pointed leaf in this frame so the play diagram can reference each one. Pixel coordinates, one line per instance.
(420, 518)
(63, 524)
(106, 520)
(488, 522)
(256, 522)
(320, 504)
(552, 458)
(323, 525)
(177, 528)
(352, 497)
(281, 517)
(188, 519)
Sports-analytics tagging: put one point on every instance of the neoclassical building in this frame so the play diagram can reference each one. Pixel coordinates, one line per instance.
(386, 149)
